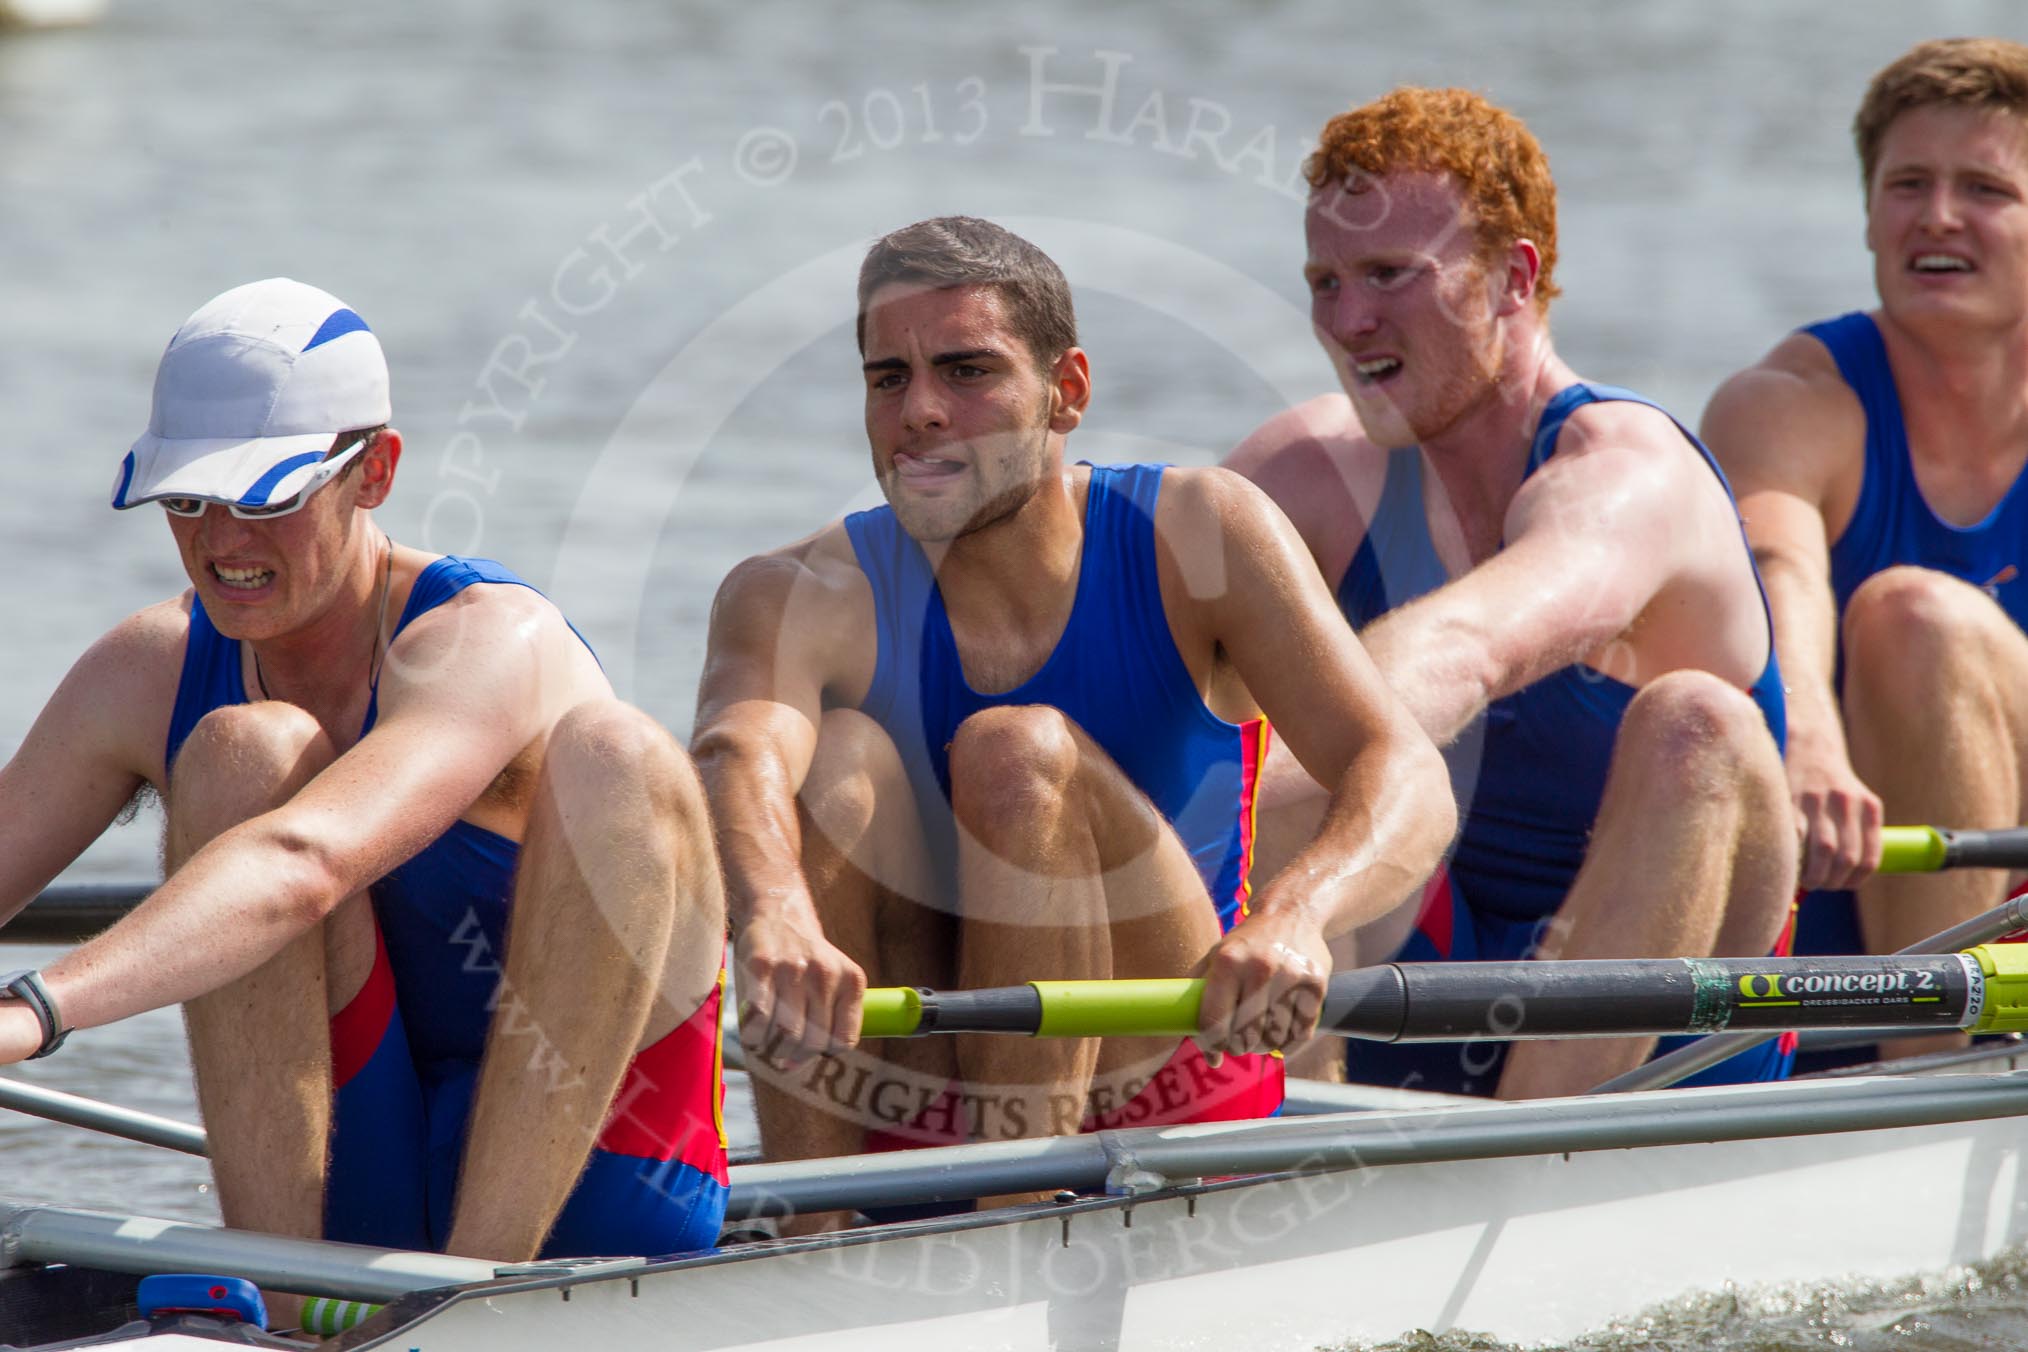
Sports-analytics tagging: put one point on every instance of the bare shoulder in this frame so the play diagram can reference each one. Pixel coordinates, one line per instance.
(494, 616)
(1297, 435)
(119, 695)
(1624, 432)
(495, 649)
(1200, 505)
(1621, 439)
(1622, 470)
(807, 602)
(1788, 422)
(1208, 488)
(148, 643)
(1223, 540)
(821, 567)
(139, 661)
(1322, 470)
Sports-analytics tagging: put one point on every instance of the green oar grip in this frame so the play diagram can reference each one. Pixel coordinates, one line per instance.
(1926, 849)
(891, 1011)
(1148, 1008)
(1912, 849)
(2006, 1004)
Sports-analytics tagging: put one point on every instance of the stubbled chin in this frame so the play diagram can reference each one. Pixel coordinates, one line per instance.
(930, 528)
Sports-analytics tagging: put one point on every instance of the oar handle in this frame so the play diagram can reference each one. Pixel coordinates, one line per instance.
(1928, 849)
(891, 1011)
(1165, 1007)
(1144, 1008)
(1984, 989)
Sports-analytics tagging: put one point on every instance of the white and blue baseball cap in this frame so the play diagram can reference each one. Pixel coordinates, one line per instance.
(250, 395)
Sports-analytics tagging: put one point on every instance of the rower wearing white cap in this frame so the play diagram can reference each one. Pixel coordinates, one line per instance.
(400, 797)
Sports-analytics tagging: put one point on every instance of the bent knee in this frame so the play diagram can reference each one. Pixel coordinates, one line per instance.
(1903, 622)
(242, 745)
(1003, 758)
(611, 741)
(1692, 718)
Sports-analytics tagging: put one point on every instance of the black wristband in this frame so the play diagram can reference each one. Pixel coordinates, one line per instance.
(27, 987)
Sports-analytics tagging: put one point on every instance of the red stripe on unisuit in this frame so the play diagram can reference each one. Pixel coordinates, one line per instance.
(357, 1029)
(1253, 749)
(1785, 943)
(1435, 919)
(670, 1102)
(1190, 1089)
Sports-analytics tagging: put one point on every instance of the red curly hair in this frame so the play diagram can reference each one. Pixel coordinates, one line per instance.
(1496, 160)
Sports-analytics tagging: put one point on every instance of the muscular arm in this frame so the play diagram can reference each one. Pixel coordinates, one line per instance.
(774, 642)
(1591, 539)
(96, 742)
(1317, 466)
(1390, 813)
(459, 700)
(1786, 437)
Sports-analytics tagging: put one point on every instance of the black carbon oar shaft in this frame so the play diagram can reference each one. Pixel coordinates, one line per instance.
(1986, 849)
(1442, 1002)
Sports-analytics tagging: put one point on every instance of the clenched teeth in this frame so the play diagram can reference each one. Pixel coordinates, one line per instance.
(1940, 263)
(242, 577)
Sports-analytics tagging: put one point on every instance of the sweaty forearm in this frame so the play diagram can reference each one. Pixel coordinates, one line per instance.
(753, 807)
(1446, 677)
(1388, 823)
(1806, 645)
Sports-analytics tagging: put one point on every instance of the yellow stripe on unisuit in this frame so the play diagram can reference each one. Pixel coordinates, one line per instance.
(718, 1068)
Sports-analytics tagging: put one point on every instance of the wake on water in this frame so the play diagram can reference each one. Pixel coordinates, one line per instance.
(1962, 1309)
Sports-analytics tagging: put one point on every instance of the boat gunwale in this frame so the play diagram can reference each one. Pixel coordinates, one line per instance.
(400, 1315)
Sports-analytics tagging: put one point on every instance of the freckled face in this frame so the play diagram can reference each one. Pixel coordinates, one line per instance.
(262, 579)
(1402, 302)
(957, 409)
(1947, 216)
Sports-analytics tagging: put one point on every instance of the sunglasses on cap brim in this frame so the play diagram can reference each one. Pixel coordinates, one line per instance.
(324, 473)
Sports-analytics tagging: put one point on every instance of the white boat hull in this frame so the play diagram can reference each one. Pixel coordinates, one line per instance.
(1528, 1249)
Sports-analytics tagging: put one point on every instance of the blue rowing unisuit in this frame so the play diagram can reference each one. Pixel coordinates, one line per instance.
(1892, 524)
(1529, 775)
(1115, 671)
(406, 1051)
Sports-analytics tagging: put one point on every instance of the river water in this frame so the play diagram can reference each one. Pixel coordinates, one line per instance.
(609, 247)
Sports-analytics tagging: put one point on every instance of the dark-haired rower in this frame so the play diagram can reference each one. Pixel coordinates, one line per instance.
(1005, 728)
